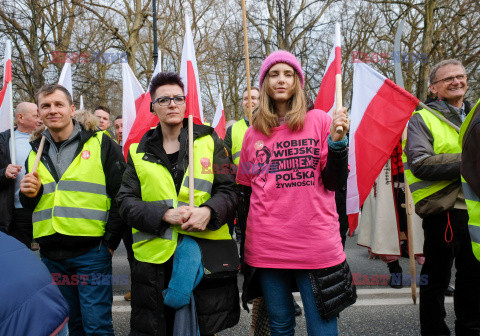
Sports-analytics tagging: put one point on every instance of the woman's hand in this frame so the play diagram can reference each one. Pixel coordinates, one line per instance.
(339, 119)
(177, 216)
(198, 219)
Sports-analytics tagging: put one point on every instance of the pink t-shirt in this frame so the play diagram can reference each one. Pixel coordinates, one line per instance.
(293, 222)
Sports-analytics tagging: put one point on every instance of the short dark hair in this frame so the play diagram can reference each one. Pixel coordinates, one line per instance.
(118, 117)
(251, 88)
(48, 89)
(102, 107)
(164, 78)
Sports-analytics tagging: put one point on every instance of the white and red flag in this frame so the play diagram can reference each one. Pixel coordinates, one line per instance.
(65, 79)
(189, 74)
(326, 94)
(380, 112)
(6, 107)
(136, 115)
(219, 119)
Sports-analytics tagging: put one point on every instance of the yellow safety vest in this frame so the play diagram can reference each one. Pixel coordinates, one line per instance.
(471, 198)
(78, 204)
(157, 186)
(238, 133)
(445, 141)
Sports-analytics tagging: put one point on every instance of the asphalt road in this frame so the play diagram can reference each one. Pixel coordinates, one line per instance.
(379, 310)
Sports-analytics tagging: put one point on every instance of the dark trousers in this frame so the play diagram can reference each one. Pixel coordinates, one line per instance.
(22, 228)
(86, 283)
(439, 257)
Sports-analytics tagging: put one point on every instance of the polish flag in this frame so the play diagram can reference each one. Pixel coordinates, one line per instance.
(6, 104)
(380, 112)
(219, 119)
(189, 74)
(136, 115)
(326, 94)
(65, 79)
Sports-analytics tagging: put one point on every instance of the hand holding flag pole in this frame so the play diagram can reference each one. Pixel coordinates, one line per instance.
(247, 60)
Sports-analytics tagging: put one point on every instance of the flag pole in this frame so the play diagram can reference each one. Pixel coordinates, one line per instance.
(338, 76)
(191, 172)
(39, 154)
(12, 126)
(247, 60)
(408, 194)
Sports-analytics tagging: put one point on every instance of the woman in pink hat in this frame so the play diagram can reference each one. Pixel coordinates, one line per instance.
(292, 239)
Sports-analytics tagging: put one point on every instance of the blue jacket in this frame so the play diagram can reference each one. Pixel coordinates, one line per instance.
(30, 303)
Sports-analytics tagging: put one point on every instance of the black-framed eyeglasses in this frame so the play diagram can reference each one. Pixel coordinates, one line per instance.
(449, 80)
(165, 101)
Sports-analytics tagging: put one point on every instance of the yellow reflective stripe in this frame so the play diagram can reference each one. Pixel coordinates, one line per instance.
(180, 203)
(469, 193)
(49, 188)
(93, 188)
(201, 185)
(41, 215)
(474, 233)
(142, 236)
(71, 212)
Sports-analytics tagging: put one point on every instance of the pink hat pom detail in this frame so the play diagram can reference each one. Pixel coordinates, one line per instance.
(281, 56)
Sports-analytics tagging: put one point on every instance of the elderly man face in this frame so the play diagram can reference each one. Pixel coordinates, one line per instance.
(450, 83)
(27, 117)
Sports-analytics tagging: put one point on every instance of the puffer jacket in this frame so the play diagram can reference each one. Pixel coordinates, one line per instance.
(31, 303)
(425, 164)
(216, 301)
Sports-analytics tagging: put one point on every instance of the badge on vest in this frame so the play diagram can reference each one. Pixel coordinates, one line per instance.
(86, 154)
(205, 162)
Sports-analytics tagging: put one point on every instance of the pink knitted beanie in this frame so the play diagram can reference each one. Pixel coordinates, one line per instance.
(281, 56)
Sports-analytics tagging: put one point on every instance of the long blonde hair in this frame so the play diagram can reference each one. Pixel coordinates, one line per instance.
(266, 118)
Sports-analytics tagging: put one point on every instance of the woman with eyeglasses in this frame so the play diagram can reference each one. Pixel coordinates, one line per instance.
(154, 201)
(292, 238)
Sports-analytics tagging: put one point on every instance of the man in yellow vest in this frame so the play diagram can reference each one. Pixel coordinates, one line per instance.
(433, 172)
(154, 201)
(75, 216)
(470, 169)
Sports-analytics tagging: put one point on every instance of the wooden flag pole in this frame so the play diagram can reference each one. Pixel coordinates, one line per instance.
(411, 252)
(39, 154)
(338, 78)
(247, 60)
(191, 172)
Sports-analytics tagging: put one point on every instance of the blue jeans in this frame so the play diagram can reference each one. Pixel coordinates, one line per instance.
(86, 283)
(276, 287)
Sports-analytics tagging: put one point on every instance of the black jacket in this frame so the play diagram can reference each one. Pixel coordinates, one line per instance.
(470, 166)
(7, 186)
(59, 246)
(147, 216)
(216, 301)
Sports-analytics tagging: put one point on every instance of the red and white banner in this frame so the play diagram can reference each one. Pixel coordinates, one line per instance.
(6, 107)
(219, 119)
(189, 74)
(326, 94)
(380, 111)
(136, 115)
(65, 79)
